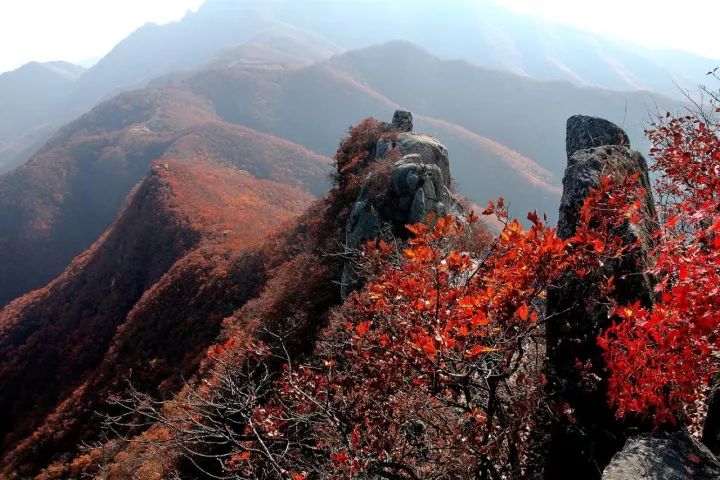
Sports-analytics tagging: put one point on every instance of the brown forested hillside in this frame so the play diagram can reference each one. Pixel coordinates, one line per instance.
(143, 302)
(62, 199)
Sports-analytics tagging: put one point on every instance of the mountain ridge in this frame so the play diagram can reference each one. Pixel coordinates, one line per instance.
(61, 200)
(181, 228)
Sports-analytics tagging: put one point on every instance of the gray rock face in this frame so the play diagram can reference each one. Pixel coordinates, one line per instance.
(580, 447)
(430, 151)
(419, 184)
(585, 132)
(403, 120)
(419, 188)
(583, 173)
(674, 457)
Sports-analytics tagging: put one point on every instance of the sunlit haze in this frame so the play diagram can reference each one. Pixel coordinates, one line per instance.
(76, 30)
(83, 30)
(690, 25)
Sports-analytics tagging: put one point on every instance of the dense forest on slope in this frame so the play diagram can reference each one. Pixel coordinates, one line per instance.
(57, 204)
(124, 304)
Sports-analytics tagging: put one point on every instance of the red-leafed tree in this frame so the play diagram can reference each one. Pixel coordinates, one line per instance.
(438, 378)
(434, 369)
(661, 358)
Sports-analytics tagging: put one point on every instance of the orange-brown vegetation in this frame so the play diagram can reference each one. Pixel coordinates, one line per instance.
(434, 368)
(143, 303)
(58, 204)
(300, 269)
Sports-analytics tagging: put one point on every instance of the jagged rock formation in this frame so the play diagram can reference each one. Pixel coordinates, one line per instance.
(403, 120)
(583, 443)
(418, 184)
(675, 457)
(583, 132)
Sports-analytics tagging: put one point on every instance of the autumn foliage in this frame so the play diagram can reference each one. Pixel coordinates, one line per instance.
(662, 358)
(435, 368)
(438, 348)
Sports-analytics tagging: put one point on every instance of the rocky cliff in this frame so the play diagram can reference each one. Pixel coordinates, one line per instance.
(418, 184)
(586, 437)
(676, 456)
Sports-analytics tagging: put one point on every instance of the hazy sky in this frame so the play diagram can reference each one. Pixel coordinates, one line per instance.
(78, 30)
(689, 25)
(75, 30)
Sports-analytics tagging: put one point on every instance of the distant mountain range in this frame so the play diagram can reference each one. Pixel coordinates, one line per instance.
(147, 199)
(504, 131)
(479, 32)
(68, 193)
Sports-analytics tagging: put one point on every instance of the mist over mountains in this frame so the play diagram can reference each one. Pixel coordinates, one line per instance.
(481, 33)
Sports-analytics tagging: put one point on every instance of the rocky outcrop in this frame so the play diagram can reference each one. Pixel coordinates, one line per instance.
(674, 457)
(583, 132)
(403, 120)
(584, 439)
(417, 185)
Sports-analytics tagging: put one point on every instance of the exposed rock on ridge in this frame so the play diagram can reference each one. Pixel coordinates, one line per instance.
(583, 132)
(675, 457)
(418, 185)
(584, 442)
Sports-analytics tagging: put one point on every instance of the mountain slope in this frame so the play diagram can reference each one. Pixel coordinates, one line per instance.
(289, 32)
(524, 114)
(38, 98)
(287, 286)
(160, 272)
(495, 111)
(31, 94)
(61, 200)
(301, 104)
(506, 127)
(479, 31)
(30, 98)
(488, 35)
(155, 50)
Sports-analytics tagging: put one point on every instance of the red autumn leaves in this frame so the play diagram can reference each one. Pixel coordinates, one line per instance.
(662, 358)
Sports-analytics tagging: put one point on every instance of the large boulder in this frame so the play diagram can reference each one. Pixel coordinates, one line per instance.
(583, 132)
(430, 151)
(417, 185)
(403, 120)
(585, 434)
(673, 457)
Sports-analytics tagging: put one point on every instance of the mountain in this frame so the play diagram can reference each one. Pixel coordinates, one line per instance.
(155, 50)
(32, 93)
(148, 296)
(39, 98)
(200, 250)
(59, 202)
(486, 34)
(507, 127)
(287, 32)
(503, 130)
(30, 98)
(524, 114)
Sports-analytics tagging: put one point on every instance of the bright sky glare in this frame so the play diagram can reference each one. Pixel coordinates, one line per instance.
(689, 25)
(80, 30)
(75, 30)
